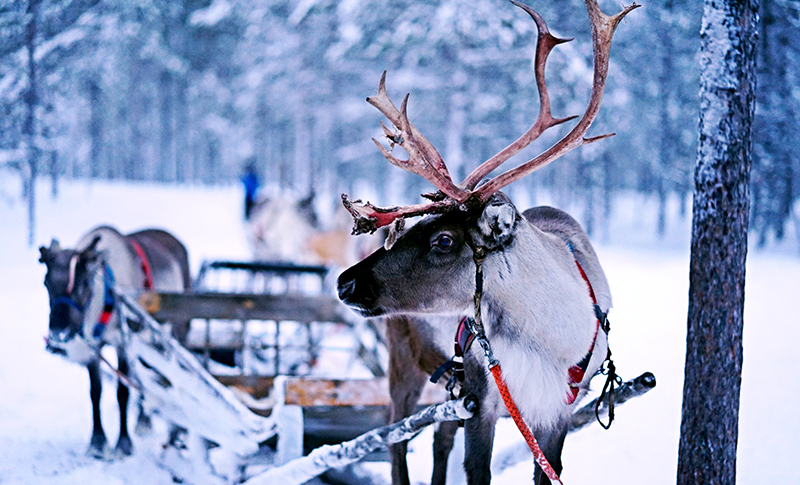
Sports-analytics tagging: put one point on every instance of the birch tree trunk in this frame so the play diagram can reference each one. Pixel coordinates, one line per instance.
(720, 217)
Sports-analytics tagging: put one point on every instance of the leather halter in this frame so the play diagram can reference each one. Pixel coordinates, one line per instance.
(109, 303)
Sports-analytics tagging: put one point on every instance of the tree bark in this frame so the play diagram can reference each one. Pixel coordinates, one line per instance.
(720, 217)
(325, 457)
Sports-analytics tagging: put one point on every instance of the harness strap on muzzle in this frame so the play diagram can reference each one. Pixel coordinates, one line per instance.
(65, 300)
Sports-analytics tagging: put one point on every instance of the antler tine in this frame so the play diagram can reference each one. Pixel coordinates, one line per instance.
(423, 159)
(367, 218)
(545, 42)
(603, 27)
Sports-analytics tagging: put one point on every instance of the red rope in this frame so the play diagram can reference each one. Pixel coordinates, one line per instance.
(538, 455)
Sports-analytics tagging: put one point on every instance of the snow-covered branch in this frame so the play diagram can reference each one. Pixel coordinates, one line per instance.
(333, 456)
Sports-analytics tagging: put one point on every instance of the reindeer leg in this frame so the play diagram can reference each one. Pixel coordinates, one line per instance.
(551, 442)
(124, 444)
(405, 387)
(443, 440)
(98, 443)
(478, 430)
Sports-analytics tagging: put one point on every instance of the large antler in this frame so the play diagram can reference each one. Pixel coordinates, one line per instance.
(424, 160)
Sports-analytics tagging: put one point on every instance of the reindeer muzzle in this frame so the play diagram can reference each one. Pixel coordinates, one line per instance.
(359, 290)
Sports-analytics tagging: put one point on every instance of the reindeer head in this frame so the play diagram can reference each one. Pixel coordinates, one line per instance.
(69, 281)
(429, 265)
(430, 268)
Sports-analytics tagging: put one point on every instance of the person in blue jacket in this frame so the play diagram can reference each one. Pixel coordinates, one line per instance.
(251, 186)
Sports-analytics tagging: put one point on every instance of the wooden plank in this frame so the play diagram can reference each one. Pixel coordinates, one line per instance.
(330, 425)
(308, 392)
(231, 306)
(256, 386)
(278, 269)
(328, 392)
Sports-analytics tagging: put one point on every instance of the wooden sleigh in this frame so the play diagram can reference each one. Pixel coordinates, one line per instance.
(271, 426)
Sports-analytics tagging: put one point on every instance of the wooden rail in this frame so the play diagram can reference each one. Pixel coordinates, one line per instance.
(278, 269)
(234, 306)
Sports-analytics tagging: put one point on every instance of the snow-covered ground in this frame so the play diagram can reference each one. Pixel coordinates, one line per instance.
(45, 414)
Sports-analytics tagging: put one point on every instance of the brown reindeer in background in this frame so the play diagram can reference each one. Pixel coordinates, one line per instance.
(544, 293)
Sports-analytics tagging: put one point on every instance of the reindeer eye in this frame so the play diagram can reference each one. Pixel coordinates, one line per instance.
(444, 241)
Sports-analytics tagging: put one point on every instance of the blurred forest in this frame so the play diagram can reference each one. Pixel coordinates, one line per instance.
(186, 91)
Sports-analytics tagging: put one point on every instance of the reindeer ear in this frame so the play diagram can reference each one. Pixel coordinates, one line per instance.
(90, 253)
(498, 221)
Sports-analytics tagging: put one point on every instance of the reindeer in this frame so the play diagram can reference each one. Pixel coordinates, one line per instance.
(530, 282)
(84, 315)
(281, 228)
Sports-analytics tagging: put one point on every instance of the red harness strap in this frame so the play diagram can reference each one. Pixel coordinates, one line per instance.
(578, 371)
(148, 274)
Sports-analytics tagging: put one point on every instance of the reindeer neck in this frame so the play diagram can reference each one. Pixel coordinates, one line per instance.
(534, 297)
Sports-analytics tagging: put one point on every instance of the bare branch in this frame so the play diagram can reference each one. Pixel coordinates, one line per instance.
(628, 390)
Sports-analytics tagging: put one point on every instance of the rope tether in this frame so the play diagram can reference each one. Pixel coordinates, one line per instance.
(479, 254)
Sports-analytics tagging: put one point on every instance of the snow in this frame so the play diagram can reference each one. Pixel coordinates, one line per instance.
(211, 15)
(45, 413)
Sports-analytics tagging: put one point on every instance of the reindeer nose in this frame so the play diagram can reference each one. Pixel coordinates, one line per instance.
(347, 288)
(357, 287)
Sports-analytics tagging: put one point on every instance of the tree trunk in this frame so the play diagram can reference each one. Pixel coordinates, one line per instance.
(183, 172)
(261, 134)
(95, 131)
(29, 124)
(667, 143)
(166, 170)
(710, 414)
